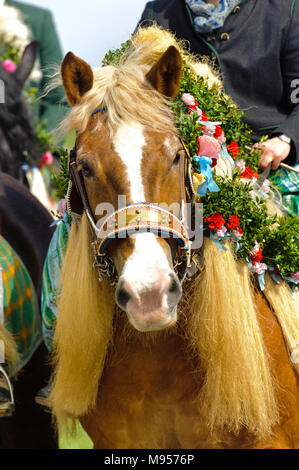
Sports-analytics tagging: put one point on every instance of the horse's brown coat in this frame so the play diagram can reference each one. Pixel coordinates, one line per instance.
(165, 75)
(77, 77)
(149, 401)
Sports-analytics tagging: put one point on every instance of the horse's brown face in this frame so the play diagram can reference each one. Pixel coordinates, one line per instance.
(142, 166)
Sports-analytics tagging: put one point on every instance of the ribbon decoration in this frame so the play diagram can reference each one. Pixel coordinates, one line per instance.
(204, 164)
(260, 277)
(288, 279)
(273, 274)
(219, 242)
(64, 219)
(227, 155)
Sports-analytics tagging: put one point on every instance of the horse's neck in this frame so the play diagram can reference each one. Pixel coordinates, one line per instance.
(155, 353)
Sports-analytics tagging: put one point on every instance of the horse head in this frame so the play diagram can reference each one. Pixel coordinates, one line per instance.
(130, 148)
(17, 137)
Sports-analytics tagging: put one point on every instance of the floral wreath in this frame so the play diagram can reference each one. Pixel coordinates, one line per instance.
(270, 243)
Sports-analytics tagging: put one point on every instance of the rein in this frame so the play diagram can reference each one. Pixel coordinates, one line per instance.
(132, 218)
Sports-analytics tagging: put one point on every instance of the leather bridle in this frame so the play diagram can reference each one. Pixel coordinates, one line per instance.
(132, 218)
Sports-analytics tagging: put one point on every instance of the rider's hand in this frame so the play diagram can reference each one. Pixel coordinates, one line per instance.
(274, 150)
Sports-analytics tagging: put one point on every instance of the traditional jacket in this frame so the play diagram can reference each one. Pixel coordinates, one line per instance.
(40, 22)
(257, 50)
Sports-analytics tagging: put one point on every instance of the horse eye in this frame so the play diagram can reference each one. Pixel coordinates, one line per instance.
(86, 170)
(177, 159)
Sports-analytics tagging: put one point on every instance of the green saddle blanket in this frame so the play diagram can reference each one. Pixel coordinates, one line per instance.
(50, 280)
(19, 311)
(287, 182)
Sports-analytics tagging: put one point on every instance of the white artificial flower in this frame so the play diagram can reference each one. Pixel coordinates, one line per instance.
(13, 31)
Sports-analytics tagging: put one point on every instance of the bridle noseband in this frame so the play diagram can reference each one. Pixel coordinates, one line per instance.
(132, 218)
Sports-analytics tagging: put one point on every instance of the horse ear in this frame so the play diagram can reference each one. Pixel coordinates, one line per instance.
(77, 77)
(27, 62)
(165, 75)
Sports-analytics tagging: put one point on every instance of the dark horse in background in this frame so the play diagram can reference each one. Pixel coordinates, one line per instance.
(17, 137)
(25, 224)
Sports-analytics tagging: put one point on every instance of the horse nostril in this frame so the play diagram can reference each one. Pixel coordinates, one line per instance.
(122, 297)
(175, 289)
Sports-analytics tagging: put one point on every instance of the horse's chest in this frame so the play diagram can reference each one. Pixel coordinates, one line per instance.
(144, 397)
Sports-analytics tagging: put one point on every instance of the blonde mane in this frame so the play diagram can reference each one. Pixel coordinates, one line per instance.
(10, 348)
(124, 90)
(223, 329)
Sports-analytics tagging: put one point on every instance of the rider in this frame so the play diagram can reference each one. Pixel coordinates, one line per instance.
(260, 68)
(42, 28)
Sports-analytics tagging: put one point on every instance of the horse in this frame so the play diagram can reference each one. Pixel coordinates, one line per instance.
(143, 358)
(17, 135)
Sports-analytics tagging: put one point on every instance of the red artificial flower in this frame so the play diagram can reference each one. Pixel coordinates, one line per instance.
(204, 117)
(192, 108)
(215, 221)
(218, 132)
(257, 257)
(233, 223)
(215, 161)
(233, 149)
(240, 231)
(249, 173)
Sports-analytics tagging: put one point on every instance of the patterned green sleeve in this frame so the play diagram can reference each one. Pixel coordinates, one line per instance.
(51, 274)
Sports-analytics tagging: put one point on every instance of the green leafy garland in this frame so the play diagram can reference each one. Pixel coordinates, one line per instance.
(272, 239)
(277, 237)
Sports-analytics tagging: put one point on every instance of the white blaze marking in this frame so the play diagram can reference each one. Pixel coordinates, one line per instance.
(147, 263)
(128, 143)
(148, 260)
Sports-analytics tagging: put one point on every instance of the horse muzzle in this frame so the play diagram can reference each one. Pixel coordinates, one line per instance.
(154, 307)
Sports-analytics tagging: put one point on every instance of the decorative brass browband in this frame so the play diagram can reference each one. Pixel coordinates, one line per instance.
(141, 217)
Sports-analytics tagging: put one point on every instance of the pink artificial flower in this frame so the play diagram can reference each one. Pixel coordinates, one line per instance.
(208, 147)
(266, 186)
(61, 206)
(209, 130)
(255, 249)
(188, 99)
(9, 66)
(259, 268)
(240, 165)
(221, 232)
(48, 158)
(295, 275)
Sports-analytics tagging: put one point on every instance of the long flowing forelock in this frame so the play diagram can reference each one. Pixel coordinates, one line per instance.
(128, 97)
